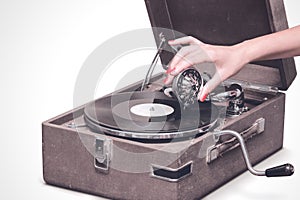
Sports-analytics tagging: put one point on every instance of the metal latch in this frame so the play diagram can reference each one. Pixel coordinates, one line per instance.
(218, 150)
(239, 140)
(103, 154)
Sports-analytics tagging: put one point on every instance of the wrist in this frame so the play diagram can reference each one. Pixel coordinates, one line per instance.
(243, 52)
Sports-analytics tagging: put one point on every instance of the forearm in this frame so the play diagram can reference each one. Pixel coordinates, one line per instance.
(282, 44)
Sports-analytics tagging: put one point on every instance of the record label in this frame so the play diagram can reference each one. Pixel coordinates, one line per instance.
(152, 110)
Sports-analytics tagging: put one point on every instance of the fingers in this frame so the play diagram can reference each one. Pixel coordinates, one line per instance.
(185, 62)
(185, 57)
(169, 79)
(203, 94)
(184, 51)
(191, 55)
(209, 87)
(179, 57)
(184, 40)
(182, 63)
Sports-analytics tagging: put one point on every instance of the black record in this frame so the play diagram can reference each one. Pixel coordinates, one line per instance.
(116, 114)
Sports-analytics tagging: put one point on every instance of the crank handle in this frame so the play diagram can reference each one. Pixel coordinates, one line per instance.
(278, 171)
(282, 170)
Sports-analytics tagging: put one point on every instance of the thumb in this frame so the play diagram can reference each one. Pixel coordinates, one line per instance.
(209, 87)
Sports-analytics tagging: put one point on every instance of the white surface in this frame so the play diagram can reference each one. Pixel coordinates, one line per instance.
(152, 110)
(42, 47)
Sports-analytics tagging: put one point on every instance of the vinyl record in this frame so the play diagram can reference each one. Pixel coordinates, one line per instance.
(147, 115)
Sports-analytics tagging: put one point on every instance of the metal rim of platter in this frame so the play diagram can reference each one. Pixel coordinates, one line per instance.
(109, 115)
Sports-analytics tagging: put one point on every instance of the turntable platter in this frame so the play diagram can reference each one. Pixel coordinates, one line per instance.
(148, 115)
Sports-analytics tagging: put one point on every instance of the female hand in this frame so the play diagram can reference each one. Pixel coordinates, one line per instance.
(228, 61)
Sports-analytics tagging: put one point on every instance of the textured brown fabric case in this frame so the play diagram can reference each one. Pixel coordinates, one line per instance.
(68, 164)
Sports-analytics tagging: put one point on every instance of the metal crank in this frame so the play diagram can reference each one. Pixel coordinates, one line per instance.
(278, 171)
(239, 140)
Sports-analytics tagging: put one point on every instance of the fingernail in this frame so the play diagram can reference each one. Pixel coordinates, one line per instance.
(165, 81)
(203, 97)
(171, 41)
(169, 70)
(174, 72)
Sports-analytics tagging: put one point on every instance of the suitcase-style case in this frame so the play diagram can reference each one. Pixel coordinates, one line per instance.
(78, 158)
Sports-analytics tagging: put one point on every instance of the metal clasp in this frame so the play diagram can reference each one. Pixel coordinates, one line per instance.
(103, 154)
(278, 171)
(218, 150)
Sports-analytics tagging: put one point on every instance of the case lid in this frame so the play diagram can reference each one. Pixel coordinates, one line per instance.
(227, 22)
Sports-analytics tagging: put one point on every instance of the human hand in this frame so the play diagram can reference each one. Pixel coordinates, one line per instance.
(228, 61)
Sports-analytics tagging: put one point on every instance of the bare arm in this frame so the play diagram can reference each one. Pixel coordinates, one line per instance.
(230, 59)
(282, 44)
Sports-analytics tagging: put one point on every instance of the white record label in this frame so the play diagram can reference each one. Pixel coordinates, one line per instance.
(151, 110)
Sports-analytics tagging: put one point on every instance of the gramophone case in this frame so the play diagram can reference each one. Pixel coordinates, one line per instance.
(204, 165)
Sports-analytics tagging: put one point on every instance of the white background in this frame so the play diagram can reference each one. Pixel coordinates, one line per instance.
(43, 45)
